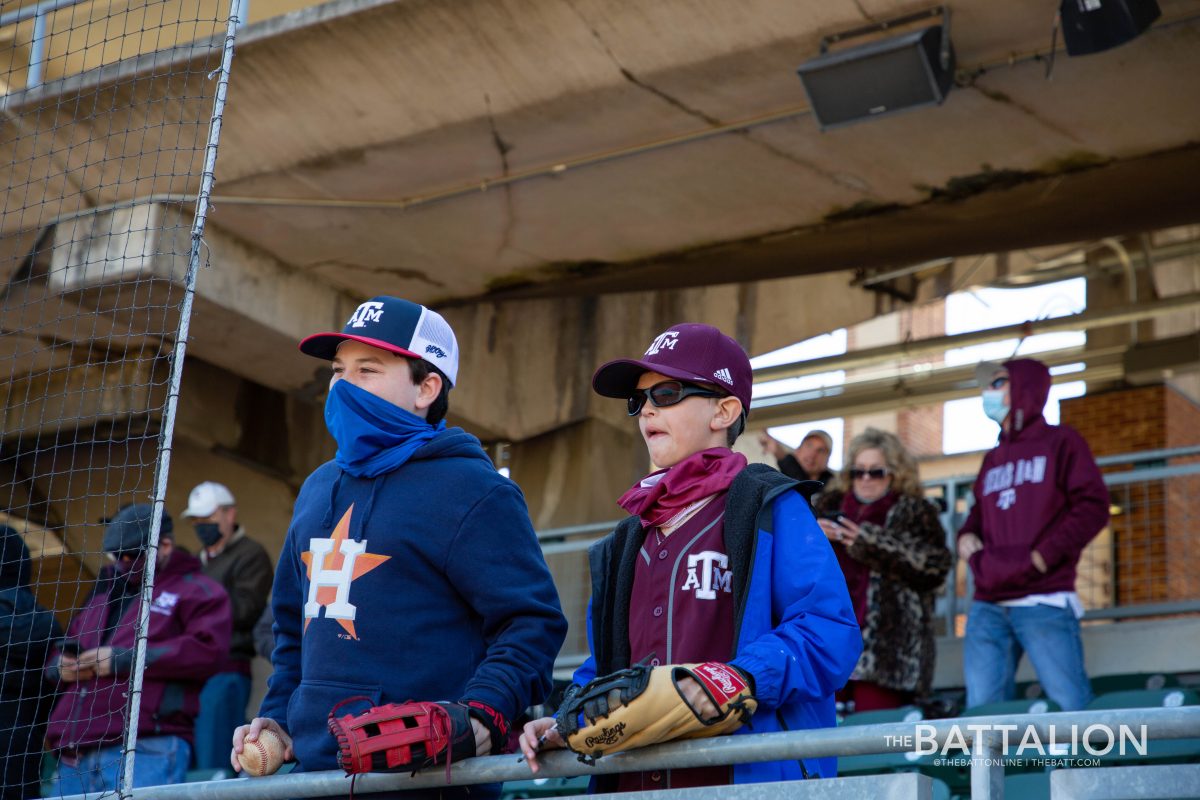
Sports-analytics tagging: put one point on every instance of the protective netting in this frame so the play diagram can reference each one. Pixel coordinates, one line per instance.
(107, 134)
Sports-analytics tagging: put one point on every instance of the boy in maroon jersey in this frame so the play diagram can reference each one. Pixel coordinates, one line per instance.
(719, 561)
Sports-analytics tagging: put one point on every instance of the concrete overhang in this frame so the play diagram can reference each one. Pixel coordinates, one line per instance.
(452, 151)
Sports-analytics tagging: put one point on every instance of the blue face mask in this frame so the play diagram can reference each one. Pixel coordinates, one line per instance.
(373, 435)
(994, 405)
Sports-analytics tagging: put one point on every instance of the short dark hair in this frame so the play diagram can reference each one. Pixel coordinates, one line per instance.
(420, 369)
(735, 430)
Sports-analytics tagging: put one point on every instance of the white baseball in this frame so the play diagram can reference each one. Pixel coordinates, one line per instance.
(263, 756)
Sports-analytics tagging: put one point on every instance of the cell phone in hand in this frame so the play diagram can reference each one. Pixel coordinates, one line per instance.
(69, 647)
(832, 516)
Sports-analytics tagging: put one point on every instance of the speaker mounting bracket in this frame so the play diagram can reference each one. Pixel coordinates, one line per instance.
(885, 25)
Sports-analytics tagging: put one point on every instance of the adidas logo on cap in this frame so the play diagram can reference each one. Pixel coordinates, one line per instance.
(724, 376)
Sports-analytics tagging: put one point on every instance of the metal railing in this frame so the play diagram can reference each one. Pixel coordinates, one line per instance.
(40, 14)
(1125, 573)
(37, 44)
(981, 734)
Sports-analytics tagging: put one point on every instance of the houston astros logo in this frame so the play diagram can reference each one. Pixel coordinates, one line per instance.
(333, 564)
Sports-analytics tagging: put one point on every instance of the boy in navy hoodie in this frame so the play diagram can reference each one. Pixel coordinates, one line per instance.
(1039, 499)
(410, 569)
(719, 560)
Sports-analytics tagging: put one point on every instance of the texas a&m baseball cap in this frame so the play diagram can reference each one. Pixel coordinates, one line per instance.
(691, 352)
(401, 326)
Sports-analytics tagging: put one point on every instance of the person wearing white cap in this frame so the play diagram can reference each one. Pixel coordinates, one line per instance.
(242, 566)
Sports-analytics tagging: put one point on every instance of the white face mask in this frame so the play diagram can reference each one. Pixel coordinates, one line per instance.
(994, 406)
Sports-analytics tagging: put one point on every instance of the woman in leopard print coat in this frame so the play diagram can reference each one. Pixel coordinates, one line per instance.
(893, 552)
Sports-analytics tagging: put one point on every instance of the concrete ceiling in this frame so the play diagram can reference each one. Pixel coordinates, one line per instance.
(452, 150)
(442, 99)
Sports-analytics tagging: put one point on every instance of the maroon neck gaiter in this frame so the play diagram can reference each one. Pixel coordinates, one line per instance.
(661, 495)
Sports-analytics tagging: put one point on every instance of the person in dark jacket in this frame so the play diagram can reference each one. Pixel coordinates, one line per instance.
(809, 461)
(242, 566)
(719, 561)
(27, 632)
(186, 642)
(1039, 500)
(410, 570)
(892, 550)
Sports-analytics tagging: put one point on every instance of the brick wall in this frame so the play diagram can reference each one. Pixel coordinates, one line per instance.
(1155, 521)
(920, 428)
(1120, 421)
(1183, 501)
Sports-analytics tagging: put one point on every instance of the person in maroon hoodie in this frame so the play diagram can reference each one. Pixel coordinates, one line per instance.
(1039, 499)
(187, 641)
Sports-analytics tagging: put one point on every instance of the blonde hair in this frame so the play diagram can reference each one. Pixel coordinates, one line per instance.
(900, 464)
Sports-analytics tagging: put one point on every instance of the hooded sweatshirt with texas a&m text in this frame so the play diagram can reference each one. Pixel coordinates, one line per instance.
(1039, 489)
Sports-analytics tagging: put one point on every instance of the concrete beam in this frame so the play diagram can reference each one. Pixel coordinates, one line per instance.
(527, 365)
(81, 395)
(126, 268)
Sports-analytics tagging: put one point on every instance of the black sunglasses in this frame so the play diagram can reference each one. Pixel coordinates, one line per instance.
(998, 382)
(875, 473)
(667, 393)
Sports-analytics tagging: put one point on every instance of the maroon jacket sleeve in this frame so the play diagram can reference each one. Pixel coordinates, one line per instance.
(201, 647)
(1086, 503)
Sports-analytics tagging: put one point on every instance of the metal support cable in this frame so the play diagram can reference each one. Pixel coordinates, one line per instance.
(166, 435)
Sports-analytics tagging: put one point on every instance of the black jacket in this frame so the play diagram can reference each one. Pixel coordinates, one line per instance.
(27, 632)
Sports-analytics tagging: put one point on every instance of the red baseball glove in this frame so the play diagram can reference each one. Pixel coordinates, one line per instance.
(409, 736)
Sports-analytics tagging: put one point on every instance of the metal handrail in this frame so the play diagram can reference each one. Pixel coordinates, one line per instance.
(1115, 478)
(1149, 455)
(37, 44)
(977, 732)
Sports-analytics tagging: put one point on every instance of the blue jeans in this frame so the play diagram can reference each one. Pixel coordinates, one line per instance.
(222, 708)
(157, 761)
(998, 635)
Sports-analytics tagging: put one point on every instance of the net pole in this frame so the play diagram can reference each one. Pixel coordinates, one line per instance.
(177, 355)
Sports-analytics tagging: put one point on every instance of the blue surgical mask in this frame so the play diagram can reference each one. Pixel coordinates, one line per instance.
(373, 436)
(994, 405)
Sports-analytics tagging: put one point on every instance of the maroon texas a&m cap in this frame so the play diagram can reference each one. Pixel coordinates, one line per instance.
(690, 352)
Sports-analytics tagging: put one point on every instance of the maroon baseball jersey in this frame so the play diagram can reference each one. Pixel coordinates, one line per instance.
(681, 612)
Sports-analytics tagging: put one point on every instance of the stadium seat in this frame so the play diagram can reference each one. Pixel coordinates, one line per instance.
(1040, 705)
(1106, 684)
(876, 763)
(209, 774)
(1028, 785)
(1175, 751)
(886, 715)
(544, 787)
(957, 774)
(1146, 698)
(1030, 690)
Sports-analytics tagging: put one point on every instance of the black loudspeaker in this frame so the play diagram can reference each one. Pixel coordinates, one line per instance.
(879, 78)
(1092, 26)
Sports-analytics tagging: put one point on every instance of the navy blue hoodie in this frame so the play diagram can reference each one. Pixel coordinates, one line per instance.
(430, 585)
